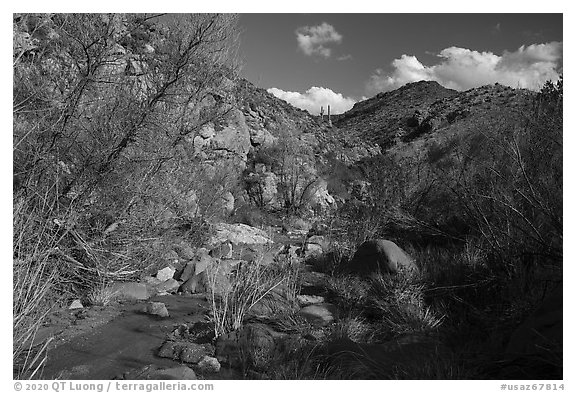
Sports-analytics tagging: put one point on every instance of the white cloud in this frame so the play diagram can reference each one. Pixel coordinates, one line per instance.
(313, 40)
(462, 69)
(314, 98)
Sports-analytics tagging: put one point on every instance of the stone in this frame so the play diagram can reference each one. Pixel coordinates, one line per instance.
(169, 286)
(313, 250)
(184, 251)
(185, 351)
(192, 353)
(195, 284)
(130, 291)
(165, 273)
(189, 271)
(307, 300)
(318, 197)
(209, 365)
(157, 308)
(380, 255)
(222, 251)
(203, 264)
(76, 305)
(226, 203)
(238, 234)
(321, 314)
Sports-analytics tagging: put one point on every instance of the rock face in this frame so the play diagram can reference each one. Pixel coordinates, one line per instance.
(380, 255)
(238, 234)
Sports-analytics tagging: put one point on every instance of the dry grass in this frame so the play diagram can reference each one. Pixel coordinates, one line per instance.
(251, 283)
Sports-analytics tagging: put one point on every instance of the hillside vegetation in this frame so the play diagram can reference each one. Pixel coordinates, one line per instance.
(136, 146)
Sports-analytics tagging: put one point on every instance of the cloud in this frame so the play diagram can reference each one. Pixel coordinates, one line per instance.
(462, 69)
(313, 40)
(344, 57)
(314, 98)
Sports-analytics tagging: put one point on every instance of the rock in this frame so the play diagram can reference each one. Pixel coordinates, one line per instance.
(313, 250)
(169, 286)
(226, 203)
(380, 256)
(188, 272)
(195, 284)
(157, 308)
(318, 197)
(185, 351)
(222, 251)
(170, 350)
(192, 353)
(76, 305)
(203, 262)
(151, 282)
(238, 234)
(209, 365)
(166, 273)
(207, 131)
(234, 137)
(307, 300)
(184, 251)
(130, 291)
(320, 314)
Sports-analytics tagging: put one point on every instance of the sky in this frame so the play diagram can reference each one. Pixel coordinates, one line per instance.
(312, 60)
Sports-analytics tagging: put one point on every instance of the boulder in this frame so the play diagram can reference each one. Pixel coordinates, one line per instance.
(319, 315)
(165, 273)
(185, 351)
(209, 365)
(222, 251)
(318, 197)
(380, 255)
(188, 272)
(168, 286)
(238, 234)
(76, 304)
(157, 308)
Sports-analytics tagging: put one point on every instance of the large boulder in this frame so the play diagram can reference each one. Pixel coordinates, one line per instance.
(379, 255)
